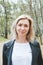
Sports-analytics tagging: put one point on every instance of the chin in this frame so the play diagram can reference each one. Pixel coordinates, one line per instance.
(22, 35)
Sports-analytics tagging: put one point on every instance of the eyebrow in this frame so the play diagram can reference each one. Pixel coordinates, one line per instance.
(24, 24)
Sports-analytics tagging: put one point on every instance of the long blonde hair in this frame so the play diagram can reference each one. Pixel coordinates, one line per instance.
(31, 34)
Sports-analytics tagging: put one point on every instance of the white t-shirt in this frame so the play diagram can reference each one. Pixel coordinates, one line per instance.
(22, 54)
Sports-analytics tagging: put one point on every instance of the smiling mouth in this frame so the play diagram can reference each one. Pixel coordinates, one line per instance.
(22, 32)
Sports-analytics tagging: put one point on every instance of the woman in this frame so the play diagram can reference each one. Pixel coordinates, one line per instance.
(23, 50)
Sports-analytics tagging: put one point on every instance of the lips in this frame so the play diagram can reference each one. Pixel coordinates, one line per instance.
(22, 31)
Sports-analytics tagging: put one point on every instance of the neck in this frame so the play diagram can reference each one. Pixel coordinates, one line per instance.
(21, 40)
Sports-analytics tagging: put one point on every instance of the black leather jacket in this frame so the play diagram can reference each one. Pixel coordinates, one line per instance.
(36, 53)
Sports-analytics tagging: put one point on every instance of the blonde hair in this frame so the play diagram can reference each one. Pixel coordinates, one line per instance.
(31, 34)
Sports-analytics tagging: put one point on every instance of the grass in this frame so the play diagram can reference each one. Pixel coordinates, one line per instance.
(2, 39)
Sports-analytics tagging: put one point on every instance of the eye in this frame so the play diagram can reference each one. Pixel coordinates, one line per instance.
(25, 25)
(19, 24)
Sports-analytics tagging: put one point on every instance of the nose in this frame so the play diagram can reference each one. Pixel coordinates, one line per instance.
(22, 28)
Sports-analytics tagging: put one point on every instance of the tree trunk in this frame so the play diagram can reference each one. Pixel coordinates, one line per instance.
(38, 28)
(6, 32)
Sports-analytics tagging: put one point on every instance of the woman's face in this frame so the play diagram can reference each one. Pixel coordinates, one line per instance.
(22, 27)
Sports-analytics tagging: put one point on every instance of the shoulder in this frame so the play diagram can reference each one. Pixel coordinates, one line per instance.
(35, 43)
(8, 44)
(36, 46)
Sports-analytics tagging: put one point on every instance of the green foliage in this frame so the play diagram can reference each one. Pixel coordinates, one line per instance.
(2, 39)
(10, 11)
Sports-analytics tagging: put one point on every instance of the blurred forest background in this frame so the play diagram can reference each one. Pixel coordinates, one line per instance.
(10, 10)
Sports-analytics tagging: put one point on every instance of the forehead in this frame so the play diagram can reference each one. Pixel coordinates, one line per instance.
(24, 21)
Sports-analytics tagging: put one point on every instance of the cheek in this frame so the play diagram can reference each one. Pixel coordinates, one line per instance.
(17, 28)
(27, 29)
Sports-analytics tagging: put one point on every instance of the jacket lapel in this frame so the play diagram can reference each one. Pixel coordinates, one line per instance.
(34, 53)
(10, 54)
